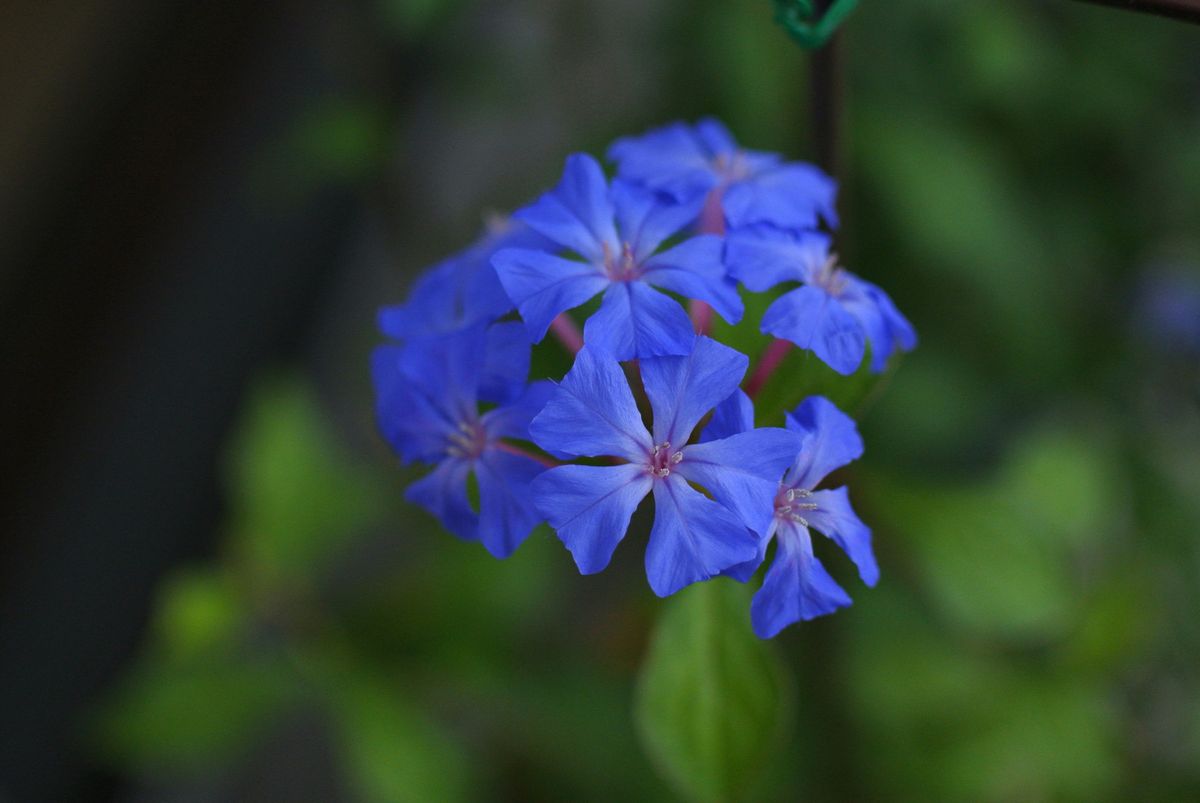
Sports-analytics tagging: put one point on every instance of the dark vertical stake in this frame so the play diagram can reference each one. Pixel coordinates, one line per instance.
(825, 99)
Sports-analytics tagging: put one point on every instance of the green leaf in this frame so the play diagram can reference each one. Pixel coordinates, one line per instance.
(390, 748)
(191, 716)
(199, 612)
(711, 702)
(297, 498)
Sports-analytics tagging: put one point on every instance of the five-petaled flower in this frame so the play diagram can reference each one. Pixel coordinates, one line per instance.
(427, 405)
(461, 290)
(688, 161)
(613, 233)
(833, 312)
(592, 413)
(797, 587)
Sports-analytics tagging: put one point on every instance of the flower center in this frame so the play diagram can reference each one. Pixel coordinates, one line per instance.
(468, 441)
(731, 166)
(662, 460)
(790, 505)
(830, 277)
(621, 267)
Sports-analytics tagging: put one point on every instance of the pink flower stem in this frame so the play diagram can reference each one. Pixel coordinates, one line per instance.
(712, 221)
(549, 462)
(702, 315)
(567, 333)
(770, 360)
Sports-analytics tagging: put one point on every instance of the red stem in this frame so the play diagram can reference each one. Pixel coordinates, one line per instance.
(770, 360)
(712, 221)
(504, 446)
(567, 333)
(702, 315)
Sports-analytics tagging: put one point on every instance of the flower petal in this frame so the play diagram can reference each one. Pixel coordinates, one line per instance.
(831, 440)
(443, 492)
(731, 417)
(636, 320)
(836, 519)
(506, 509)
(543, 285)
(796, 588)
(415, 425)
(590, 507)
(577, 213)
(683, 389)
(669, 159)
(742, 472)
(693, 538)
(695, 269)
(645, 219)
(761, 257)
(505, 362)
(592, 413)
(512, 420)
(812, 319)
(791, 196)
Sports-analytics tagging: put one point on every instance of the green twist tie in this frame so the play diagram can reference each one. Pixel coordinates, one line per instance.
(797, 18)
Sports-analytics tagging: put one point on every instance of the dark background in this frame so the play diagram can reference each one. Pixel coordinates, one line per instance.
(209, 587)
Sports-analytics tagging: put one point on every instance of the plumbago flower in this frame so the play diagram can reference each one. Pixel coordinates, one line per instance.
(685, 162)
(453, 389)
(613, 234)
(797, 587)
(593, 414)
(427, 405)
(461, 290)
(833, 312)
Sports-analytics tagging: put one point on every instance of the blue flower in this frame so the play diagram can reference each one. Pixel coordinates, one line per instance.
(462, 290)
(797, 587)
(833, 312)
(427, 405)
(686, 162)
(613, 233)
(592, 413)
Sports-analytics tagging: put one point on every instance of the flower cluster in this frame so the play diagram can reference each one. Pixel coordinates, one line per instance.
(652, 405)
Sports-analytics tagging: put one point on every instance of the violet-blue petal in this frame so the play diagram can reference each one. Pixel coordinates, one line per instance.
(443, 492)
(414, 424)
(812, 319)
(791, 196)
(577, 213)
(695, 269)
(683, 389)
(715, 137)
(669, 159)
(512, 420)
(506, 509)
(635, 320)
(693, 538)
(589, 508)
(592, 413)
(731, 417)
(505, 362)
(462, 290)
(830, 441)
(448, 367)
(796, 588)
(743, 472)
(836, 519)
(645, 219)
(761, 257)
(542, 285)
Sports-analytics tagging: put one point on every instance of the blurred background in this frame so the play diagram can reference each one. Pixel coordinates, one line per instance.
(210, 587)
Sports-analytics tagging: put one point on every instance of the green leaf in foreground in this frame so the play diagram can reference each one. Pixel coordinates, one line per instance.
(711, 702)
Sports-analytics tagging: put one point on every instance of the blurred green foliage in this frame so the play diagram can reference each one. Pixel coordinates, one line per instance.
(1032, 471)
